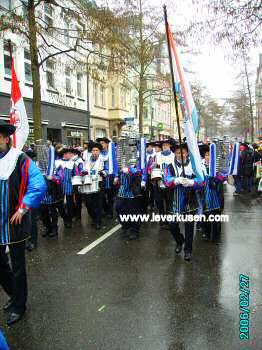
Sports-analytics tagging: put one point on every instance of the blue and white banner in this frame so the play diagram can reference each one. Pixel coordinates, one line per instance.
(212, 160)
(235, 160)
(51, 161)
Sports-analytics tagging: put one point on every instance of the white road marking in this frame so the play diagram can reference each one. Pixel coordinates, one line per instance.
(99, 240)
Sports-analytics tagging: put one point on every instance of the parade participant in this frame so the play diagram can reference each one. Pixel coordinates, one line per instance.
(164, 193)
(77, 169)
(53, 201)
(87, 150)
(235, 167)
(92, 195)
(213, 193)
(22, 187)
(111, 180)
(247, 165)
(184, 200)
(155, 181)
(130, 196)
(149, 193)
(64, 168)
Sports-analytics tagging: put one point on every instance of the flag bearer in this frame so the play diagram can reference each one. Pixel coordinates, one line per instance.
(22, 187)
(184, 200)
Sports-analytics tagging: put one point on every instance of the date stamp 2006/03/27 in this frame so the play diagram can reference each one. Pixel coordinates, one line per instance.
(244, 315)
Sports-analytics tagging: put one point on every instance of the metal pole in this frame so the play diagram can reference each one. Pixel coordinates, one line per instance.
(174, 89)
(87, 97)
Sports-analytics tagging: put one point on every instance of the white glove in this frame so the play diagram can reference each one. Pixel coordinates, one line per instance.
(178, 180)
(116, 179)
(125, 170)
(143, 184)
(187, 182)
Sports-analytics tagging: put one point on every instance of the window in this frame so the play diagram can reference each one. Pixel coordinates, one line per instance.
(123, 97)
(113, 97)
(27, 63)
(6, 4)
(145, 113)
(79, 85)
(48, 16)
(102, 95)
(66, 33)
(50, 75)
(100, 132)
(7, 59)
(95, 96)
(68, 81)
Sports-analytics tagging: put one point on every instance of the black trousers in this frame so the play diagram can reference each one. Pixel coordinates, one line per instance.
(49, 214)
(70, 207)
(164, 199)
(13, 280)
(133, 206)
(77, 205)
(34, 228)
(108, 201)
(149, 196)
(212, 230)
(179, 237)
(94, 206)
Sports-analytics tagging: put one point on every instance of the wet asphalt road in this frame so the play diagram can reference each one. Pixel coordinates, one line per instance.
(138, 295)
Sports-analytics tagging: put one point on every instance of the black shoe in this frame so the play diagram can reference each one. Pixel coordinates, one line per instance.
(178, 248)
(53, 234)
(30, 246)
(98, 227)
(68, 224)
(48, 230)
(206, 237)
(133, 236)
(13, 318)
(8, 306)
(188, 256)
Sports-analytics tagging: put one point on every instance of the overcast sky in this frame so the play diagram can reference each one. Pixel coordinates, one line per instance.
(212, 67)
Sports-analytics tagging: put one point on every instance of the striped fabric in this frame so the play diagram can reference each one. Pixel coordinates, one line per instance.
(67, 181)
(124, 190)
(4, 209)
(211, 195)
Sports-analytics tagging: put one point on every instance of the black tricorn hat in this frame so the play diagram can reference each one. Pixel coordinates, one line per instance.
(157, 144)
(203, 148)
(105, 139)
(178, 146)
(7, 128)
(95, 145)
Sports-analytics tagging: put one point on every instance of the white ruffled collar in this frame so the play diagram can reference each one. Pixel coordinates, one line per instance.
(8, 163)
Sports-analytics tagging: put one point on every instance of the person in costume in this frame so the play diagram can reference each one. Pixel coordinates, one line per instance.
(53, 202)
(77, 170)
(149, 193)
(65, 167)
(22, 187)
(108, 154)
(130, 199)
(93, 197)
(213, 193)
(164, 193)
(184, 201)
(235, 167)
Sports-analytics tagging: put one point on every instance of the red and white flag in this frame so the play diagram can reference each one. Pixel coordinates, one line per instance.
(18, 116)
